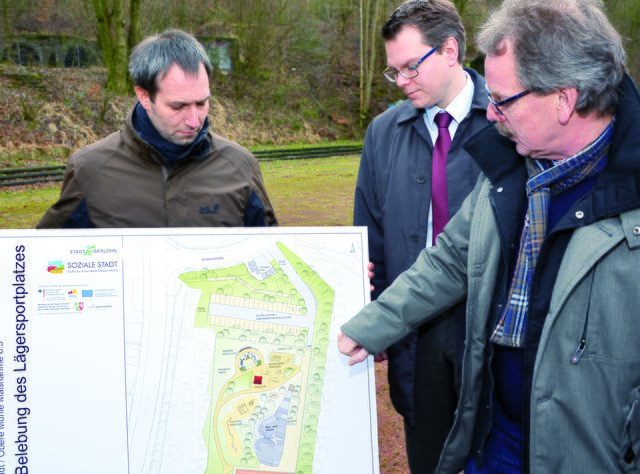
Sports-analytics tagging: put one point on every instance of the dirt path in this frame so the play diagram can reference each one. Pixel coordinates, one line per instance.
(391, 445)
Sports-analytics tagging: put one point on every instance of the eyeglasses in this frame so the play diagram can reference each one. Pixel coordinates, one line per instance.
(498, 104)
(408, 72)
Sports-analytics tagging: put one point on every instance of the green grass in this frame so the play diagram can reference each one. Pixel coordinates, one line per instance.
(311, 192)
(30, 156)
(22, 208)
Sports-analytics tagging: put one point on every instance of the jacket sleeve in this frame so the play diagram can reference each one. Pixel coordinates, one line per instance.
(367, 211)
(434, 283)
(70, 211)
(259, 211)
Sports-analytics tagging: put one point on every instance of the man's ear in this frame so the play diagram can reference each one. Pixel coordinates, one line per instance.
(450, 50)
(143, 97)
(567, 100)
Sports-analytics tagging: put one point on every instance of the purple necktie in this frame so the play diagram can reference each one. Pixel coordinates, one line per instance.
(439, 196)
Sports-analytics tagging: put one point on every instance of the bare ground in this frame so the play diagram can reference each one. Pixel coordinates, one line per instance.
(393, 458)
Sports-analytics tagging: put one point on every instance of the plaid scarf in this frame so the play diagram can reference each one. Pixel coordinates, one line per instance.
(546, 180)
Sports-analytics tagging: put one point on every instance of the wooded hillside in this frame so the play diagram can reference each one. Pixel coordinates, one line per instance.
(297, 74)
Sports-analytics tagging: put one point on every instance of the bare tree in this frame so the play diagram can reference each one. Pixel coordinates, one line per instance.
(267, 32)
(5, 18)
(369, 38)
(116, 39)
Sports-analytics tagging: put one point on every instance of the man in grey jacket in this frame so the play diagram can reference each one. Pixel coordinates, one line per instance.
(164, 168)
(546, 251)
(425, 47)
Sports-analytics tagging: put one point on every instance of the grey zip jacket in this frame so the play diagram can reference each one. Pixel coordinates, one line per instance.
(582, 351)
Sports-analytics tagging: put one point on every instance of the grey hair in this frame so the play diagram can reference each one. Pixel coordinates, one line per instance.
(152, 58)
(437, 20)
(558, 44)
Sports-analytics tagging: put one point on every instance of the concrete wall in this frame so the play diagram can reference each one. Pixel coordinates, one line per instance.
(72, 51)
(49, 50)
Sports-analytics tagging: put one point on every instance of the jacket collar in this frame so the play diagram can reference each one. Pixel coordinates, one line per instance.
(172, 153)
(479, 103)
(618, 186)
(495, 154)
(139, 148)
(143, 150)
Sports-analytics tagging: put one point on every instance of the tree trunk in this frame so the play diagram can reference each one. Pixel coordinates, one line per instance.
(5, 21)
(373, 42)
(116, 41)
(369, 24)
(134, 23)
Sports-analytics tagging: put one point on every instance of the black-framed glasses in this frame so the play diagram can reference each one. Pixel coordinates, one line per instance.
(408, 72)
(500, 103)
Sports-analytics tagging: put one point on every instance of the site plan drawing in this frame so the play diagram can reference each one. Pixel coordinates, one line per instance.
(206, 351)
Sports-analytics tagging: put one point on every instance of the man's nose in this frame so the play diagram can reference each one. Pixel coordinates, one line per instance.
(193, 117)
(401, 81)
(493, 115)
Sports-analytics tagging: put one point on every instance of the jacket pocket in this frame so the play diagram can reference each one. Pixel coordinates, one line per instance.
(630, 447)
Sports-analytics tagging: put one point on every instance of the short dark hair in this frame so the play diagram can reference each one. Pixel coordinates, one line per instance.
(437, 20)
(152, 58)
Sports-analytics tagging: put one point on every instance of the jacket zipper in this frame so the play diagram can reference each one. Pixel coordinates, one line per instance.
(503, 253)
(582, 345)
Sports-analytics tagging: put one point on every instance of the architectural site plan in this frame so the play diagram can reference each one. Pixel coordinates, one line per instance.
(175, 351)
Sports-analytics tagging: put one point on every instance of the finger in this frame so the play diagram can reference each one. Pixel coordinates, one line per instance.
(358, 356)
(345, 344)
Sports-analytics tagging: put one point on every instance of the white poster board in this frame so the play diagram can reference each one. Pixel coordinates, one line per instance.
(183, 351)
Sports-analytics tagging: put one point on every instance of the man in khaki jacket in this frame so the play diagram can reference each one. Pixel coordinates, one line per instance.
(164, 168)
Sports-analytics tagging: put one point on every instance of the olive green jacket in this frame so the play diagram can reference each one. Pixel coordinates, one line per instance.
(121, 181)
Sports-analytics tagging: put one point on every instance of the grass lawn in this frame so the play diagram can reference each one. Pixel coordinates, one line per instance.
(312, 192)
(22, 207)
